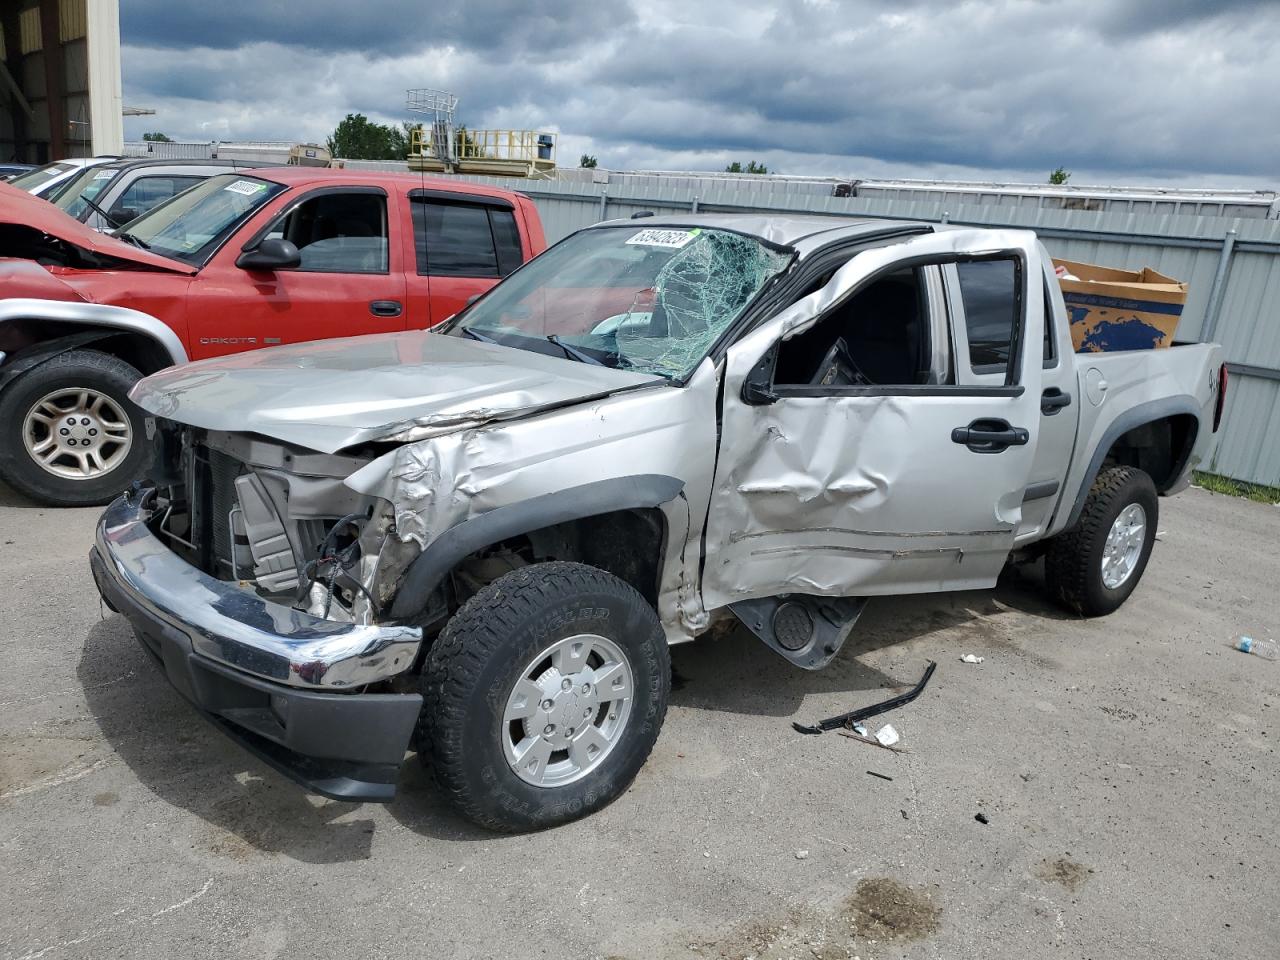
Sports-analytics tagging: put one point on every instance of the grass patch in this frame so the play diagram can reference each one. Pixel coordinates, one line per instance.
(1258, 492)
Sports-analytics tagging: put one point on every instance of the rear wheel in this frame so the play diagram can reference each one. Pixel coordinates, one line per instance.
(543, 696)
(1093, 567)
(69, 435)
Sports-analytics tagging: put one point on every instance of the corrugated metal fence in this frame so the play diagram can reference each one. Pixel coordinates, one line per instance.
(1232, 266)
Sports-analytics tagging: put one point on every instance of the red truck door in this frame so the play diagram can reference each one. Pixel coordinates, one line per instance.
(462, 245)
(351, 279)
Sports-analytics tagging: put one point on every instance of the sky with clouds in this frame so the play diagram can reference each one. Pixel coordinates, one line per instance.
(1123, 91)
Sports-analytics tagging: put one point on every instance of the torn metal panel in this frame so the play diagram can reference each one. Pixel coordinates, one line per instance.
(437, 483)
(856, 494)
(331, 394)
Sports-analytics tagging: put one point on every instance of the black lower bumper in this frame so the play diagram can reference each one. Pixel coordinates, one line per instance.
(343, 746)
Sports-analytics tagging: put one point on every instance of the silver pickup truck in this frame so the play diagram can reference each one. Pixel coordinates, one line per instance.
(478, 542)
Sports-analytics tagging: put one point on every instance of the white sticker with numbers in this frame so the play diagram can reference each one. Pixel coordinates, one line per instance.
(674, 239)
(246, 188)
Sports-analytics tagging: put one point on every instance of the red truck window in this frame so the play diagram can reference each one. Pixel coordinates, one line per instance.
(464, 240)
(338, 232)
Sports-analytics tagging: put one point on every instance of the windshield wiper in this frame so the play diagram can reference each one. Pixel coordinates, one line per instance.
(136, 241)
(478, 336)
(111, 221)
(574, 352)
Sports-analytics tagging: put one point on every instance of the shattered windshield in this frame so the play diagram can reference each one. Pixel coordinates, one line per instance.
(653, 300)
(190, 226)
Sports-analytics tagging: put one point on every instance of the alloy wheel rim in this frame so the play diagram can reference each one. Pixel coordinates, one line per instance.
(568, 710)
(77, 433)
(1124, 546)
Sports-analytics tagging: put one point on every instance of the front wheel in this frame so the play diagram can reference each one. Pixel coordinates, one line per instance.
(1093, 567)
(69, 435)
(543, 696)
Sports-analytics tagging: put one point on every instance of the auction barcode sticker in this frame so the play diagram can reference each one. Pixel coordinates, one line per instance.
(245, 188)
(663, 238)
(104, 175)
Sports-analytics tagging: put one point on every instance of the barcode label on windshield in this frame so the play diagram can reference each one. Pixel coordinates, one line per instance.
(245, 188)
(104, 175)
(663, 238)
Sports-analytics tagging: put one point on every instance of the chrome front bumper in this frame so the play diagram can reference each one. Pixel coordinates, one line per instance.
(232, 625)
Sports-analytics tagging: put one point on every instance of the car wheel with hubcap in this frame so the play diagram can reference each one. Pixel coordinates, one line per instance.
(543, 696)
(69, 435)
(1094, 567)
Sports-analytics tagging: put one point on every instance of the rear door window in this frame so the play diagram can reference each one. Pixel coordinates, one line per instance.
(464, 239)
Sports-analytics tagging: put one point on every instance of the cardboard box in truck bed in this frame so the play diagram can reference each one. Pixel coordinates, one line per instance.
(1120, 309)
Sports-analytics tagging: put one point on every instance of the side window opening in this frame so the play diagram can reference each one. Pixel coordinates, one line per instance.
(1050, 338)
(338, 233)
(878, 337)
(989, 293)
(464, 239)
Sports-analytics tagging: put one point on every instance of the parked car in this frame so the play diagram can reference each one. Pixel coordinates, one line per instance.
(240, 261)
(47, 181)
(10, 170)
(481, 540)
(109, 195)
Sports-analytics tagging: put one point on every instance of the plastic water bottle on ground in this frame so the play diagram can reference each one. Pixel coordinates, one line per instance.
(1261, 648)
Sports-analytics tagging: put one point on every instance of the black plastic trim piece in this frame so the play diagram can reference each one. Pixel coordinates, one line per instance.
(875, 709)
(1040, 491)
(423, 194)
(574, 503)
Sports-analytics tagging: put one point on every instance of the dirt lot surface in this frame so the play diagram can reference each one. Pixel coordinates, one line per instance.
(1126, 768)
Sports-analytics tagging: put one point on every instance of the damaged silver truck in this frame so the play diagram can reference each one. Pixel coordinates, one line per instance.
(479, 542)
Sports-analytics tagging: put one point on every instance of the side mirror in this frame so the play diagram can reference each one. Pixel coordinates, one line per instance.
(272, 253)
(757, 390)
(122, 215)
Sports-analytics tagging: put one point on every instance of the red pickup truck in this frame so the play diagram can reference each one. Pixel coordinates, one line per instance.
(245, 260)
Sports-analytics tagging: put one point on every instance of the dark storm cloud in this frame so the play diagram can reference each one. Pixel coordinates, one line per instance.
(1126, 88)
(374, 26)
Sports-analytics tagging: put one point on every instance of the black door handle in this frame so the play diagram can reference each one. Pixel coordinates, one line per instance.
(385, 308)
(1053, 400)
(990, 436)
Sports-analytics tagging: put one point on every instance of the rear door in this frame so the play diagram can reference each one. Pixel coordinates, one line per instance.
(350, 281)
(463, 245)
(860, 454)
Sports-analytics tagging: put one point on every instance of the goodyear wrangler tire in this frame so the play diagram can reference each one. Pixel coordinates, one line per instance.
(543, 696)
(1094, 567)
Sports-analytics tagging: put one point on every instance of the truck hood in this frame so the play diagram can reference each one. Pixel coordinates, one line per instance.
(333, 394)
(21, 209)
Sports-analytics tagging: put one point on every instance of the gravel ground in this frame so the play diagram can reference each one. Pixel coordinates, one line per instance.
(1125, 768)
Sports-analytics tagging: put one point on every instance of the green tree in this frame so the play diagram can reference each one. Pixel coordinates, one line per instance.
(751, 167)
(1059, 176)
(587, 160)
(157, 137)
(359, 138)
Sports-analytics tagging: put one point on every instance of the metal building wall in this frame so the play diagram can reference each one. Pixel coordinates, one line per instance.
(1232, 266)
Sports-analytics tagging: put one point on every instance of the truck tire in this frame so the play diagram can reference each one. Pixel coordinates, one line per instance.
(1093, 567)
(543, 696)
(69, 435)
